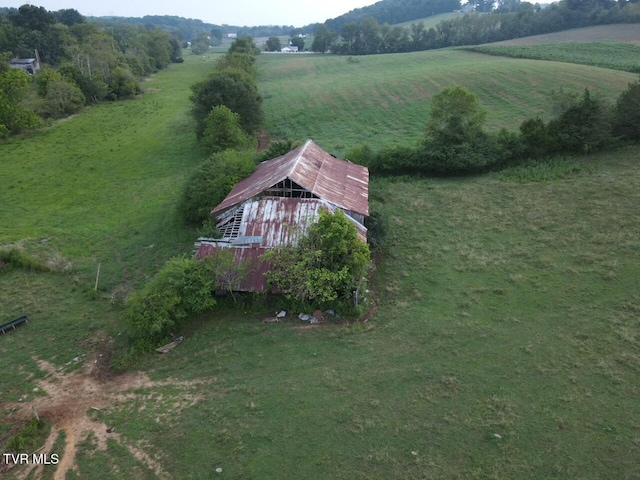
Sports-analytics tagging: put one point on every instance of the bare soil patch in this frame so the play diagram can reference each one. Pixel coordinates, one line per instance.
(69, 399)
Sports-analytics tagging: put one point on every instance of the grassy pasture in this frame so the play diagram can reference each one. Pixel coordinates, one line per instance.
(618, 56)
(430, 22)
(100, 187)
(506, 343)
(506, 346)
(384, 99)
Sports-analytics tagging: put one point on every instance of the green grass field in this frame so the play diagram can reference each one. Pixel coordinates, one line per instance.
(617, 33)
(384, 99)
(430, 22)
(506, 341)
(618, 56)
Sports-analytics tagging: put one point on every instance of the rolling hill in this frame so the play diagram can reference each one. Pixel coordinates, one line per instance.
(506, 340)
(384, 99)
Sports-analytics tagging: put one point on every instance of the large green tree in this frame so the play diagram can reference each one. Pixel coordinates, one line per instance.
(455, 140)
(212, 182)
(233, 88)
(273, 44)
(323, 39)
(200, 44)
(456, 116)
(222, 131)
(244, 45)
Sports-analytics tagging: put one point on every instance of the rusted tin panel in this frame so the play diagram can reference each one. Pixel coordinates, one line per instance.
(341, 183)
(281, 221)
(254, 280)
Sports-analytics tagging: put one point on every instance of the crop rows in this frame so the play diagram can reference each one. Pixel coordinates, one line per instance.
(617, 56)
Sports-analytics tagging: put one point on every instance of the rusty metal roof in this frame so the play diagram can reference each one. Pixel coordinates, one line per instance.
(265, 224)
(339, 182)
(277, 221)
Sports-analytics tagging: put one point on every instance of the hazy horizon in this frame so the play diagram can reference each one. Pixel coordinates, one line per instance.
(243, 13)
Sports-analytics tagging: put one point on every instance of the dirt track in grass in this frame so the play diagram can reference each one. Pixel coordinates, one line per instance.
(70, 399)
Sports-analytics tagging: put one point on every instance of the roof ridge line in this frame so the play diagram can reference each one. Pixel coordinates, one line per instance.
(297, 157)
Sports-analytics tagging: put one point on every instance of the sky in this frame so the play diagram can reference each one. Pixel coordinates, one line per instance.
(231, 12)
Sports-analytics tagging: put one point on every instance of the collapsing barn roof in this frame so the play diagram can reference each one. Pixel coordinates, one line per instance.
(343, 184)
(256, 226)
(275, 205)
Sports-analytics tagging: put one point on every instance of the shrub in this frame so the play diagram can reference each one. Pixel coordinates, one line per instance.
(212, 182)
(478, 154)
(122, 84)
(17, 257)
(360, 154)
(536, 139)
(61, 99)
(376, 225)
(30, 436)
(626, 122)
(396, 160)
(584, 126)
(180, 291)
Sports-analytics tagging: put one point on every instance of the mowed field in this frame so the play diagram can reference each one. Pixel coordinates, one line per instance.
(506, 343)
(384, 99)
(618, 33)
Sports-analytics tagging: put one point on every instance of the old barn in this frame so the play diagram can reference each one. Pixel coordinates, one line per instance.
(274, 206)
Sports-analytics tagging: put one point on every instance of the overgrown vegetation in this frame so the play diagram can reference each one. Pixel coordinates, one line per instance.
(16, 257)
(326, 265)
(215, 178)
(508, 311)
(32, 435)
(180, 291)
(232, 84)
(222, 131)
(456, 143)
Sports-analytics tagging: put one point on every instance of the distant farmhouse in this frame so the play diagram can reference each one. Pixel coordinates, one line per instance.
(29, 65)
(289, 49)
(274, 206)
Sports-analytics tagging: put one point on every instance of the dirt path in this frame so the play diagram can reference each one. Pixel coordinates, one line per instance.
(69, 398)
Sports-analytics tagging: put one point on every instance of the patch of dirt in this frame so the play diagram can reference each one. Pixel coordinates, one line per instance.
(70, 396)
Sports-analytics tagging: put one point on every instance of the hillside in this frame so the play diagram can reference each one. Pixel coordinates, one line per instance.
(619, 33)
(394, 12)
(429, 22)
(384, 99)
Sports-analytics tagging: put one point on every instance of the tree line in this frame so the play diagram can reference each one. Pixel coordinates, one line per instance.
(511, 19)
(456, 143)
(320, 272)
(82, 64)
